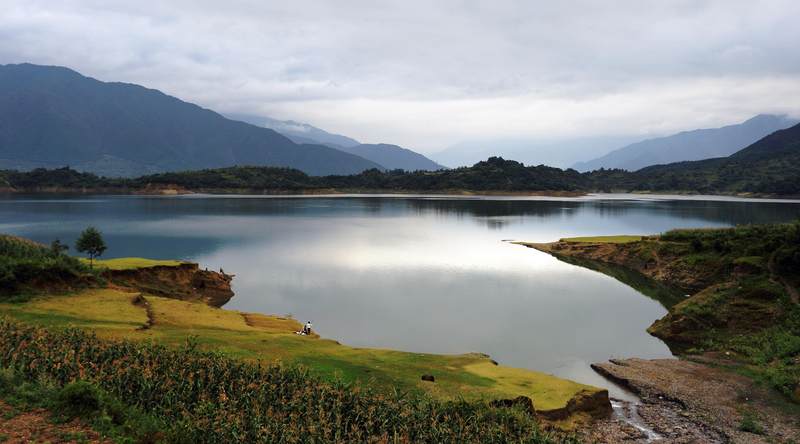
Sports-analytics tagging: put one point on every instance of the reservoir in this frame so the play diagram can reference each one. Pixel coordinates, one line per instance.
(416, 273)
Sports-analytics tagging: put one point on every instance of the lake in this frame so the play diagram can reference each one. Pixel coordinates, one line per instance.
(415, 273)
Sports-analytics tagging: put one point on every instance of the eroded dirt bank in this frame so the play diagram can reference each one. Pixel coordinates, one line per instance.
(186, 282)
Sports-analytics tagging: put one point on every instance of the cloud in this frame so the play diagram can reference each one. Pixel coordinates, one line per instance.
(430, 74)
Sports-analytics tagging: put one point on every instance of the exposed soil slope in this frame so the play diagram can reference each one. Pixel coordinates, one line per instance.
(185, 281)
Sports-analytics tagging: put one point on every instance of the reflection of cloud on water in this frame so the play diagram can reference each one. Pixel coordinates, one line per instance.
(526, 310)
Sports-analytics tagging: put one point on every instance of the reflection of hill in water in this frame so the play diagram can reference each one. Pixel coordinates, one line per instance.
(500, 213)
(664, 295)
(492, 213)
(497, 212)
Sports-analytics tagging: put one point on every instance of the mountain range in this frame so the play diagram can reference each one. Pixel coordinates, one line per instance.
(392, 157)
(770, 166)
(689, 145)
(53, 116)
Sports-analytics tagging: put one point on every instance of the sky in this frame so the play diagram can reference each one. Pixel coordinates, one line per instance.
(435, 74)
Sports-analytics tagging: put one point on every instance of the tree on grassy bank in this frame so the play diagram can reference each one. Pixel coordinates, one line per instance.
(91, 242)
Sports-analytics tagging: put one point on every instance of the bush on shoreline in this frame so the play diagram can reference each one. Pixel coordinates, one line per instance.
(23, 262)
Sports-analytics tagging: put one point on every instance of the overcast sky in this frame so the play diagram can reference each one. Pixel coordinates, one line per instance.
(430, 74)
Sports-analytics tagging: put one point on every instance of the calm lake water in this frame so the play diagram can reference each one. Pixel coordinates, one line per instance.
(416, 273)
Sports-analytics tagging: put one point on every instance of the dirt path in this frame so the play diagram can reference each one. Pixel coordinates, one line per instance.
(141, 301)
(689, 402)
(36, 427)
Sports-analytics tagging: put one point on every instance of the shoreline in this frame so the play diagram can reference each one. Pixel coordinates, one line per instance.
(150, 300)
(311, 193)
(698, 397)
(179, 191)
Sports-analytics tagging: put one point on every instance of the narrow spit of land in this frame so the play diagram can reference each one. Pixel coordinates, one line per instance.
(733, 322)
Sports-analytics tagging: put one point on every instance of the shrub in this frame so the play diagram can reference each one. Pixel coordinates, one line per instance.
(750, 424)
(23, 262)
(79, 398)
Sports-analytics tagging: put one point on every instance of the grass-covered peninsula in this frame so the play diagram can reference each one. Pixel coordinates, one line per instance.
(741, 305)
(250, 371)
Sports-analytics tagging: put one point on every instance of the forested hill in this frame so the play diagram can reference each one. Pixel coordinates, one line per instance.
(495, 174)
(770, 166)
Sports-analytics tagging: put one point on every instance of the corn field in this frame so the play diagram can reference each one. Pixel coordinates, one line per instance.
(209, 398)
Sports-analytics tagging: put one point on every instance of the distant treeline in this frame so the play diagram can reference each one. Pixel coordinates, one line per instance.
(780, 177)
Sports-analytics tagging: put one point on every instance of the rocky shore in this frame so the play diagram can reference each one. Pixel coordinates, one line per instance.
(691, 402)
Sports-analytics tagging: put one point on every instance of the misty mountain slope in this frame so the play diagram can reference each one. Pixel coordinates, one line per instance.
(53, 116)
(298, 132)
(770, 165)
(392, 157)
(689, 145)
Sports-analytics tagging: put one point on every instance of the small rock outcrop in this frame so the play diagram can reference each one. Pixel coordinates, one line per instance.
(594, 403)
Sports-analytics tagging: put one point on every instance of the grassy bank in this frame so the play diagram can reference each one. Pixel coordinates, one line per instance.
(194, 396)
(117, 313)
(130, 263)
(743, 309)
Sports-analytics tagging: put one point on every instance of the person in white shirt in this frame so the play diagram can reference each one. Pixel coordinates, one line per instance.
(307, 328)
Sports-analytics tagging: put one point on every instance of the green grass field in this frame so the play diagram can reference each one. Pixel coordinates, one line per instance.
(114, 314)
(130, 263)
(603, 239)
